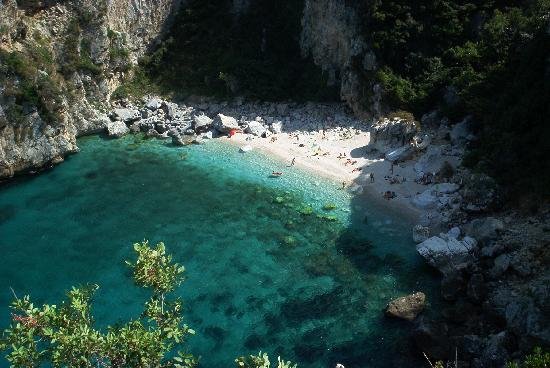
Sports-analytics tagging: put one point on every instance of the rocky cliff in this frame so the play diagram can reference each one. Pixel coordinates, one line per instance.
(60, 61)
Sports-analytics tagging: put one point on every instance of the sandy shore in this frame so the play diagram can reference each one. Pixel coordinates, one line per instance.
(342, 157)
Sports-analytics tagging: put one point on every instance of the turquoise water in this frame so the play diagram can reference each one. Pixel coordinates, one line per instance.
(261, 275)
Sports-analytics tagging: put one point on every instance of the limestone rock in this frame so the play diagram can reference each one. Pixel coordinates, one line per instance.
(447, 255)
(276, 127)
(400, 154)
(225, 123)
(201, 123)
(127, 115)
(154, 104)
(485, 229)
(420, 233)
(390, 134)
(117, 129)
(425, 200)
(407, 307)
(255, 128)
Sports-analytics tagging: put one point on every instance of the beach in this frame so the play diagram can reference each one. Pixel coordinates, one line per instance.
(344, 158)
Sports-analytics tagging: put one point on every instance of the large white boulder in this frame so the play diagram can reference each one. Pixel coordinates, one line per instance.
(431, 161)
(388, 134)
(225, 123)
(255, 128)
(201, 123)
(117, 129)
(154, 103)
(448, 254)
(276, 127)
(127, 115)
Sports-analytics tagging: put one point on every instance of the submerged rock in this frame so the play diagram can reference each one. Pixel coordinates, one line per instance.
(407, 307)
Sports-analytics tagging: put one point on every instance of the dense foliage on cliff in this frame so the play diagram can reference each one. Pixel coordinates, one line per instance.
(217, 49)
(484, 58)
(65, 336)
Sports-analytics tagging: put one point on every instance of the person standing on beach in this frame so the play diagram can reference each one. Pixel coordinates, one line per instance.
(371, 177)
(293, 161)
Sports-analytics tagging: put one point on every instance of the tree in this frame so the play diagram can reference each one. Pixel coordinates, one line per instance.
(65, 336)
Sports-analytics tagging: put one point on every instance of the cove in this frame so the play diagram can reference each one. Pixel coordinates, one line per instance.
(268, 267)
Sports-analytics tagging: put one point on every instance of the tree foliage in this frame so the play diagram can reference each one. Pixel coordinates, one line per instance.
(65, 335)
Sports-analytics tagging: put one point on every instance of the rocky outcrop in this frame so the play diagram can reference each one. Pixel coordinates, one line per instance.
(407, 307)
(93, 44)
(447, 253)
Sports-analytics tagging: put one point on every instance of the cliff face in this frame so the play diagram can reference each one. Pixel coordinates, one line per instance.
(60, 62)
(331, 34)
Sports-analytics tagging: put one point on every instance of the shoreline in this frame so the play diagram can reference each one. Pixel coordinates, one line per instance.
(329, 166)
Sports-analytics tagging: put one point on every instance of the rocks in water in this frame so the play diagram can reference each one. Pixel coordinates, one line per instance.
(126, 115)
(447, 255)
(245, 149)
(225, 123)
(117, 129)
(255, 128)
(202, 123)
(407, 307)
(420, 233)
(181, 140)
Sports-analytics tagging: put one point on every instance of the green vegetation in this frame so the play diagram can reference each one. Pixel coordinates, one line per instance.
(212, 52)
(484, 58)
(29, 78)
(537, 359)
(64, 335)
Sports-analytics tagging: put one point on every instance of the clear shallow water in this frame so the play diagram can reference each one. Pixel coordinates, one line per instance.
(261, 275)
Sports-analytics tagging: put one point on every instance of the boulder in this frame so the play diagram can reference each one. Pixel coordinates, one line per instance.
(154, 104)
(202, 123)
(255, 128)
(126, 115)
(477, 290)
(400, 154)
(172, 110)
(485, 229)
(454, 232)
(182, 140)
(447, 255)
(117, 129)
(245, 149)
(276, 127)
(420, 233)
(390, 134)
(407, 307)
(225, 123)
(425, 200)
(431, 161)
